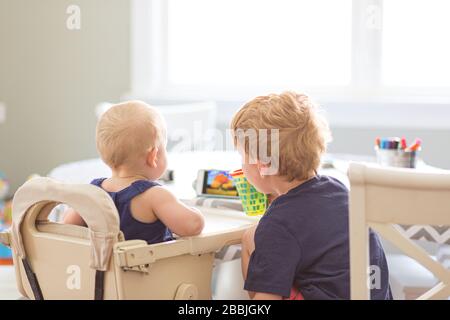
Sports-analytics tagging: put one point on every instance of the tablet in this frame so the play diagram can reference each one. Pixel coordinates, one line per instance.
(216, 183)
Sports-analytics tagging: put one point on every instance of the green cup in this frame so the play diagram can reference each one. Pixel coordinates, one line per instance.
(253, 201)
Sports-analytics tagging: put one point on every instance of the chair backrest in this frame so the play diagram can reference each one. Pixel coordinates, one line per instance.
(382, 198)
(45, 254)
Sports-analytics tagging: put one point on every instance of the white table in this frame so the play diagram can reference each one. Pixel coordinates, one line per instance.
(185, 166)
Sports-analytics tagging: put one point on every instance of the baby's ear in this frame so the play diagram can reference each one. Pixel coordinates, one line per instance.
(152, 157)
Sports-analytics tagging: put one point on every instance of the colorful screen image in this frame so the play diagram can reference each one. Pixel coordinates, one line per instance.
(219, 183)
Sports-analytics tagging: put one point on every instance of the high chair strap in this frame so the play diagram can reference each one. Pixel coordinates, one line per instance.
(128, 193)
(99, 284)
(32, 279)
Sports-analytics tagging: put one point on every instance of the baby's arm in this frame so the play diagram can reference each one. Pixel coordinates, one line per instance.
(72, 217)
(179, 218)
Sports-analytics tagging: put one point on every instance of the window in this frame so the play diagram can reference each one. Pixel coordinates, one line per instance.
(254, 42)
(416, 46)
(233, 49)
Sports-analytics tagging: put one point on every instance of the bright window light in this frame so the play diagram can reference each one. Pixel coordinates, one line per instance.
(259, 42)
(416, 46)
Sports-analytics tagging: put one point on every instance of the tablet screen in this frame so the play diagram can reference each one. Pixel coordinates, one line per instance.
(219, 183)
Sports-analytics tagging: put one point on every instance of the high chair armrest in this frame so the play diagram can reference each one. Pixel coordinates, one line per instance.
(138, 253)
(215, 242)
(5, 238)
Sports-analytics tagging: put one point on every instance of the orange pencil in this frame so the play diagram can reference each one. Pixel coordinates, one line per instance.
(415, 146)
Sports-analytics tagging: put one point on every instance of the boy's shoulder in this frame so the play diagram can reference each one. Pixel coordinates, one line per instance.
(323, 195)
(319, 185)
(327, 182)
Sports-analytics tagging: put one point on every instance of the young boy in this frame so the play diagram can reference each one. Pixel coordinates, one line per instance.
(131, 140)
(300, 248)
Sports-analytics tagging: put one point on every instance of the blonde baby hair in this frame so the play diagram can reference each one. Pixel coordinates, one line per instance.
(127, 130)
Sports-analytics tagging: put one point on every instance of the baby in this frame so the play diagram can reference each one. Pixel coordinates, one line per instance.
(131, 140)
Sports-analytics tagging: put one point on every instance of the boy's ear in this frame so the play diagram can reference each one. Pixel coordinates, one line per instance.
(152, 157)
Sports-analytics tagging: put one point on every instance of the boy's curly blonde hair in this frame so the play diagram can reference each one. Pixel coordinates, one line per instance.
(303, 131)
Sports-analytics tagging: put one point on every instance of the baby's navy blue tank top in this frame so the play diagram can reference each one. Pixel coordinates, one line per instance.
(133, 229)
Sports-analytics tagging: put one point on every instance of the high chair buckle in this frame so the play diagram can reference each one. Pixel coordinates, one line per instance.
(144, 268)
(135, 258)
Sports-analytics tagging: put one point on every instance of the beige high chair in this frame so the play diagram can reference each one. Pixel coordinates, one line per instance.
(381, 198)
(57, 261)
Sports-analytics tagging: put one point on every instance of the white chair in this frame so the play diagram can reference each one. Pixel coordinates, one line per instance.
(382, 198)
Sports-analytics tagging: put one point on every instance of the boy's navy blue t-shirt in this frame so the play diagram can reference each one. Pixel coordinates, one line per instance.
(302, 241)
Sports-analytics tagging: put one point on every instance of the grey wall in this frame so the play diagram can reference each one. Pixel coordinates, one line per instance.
(51, 79)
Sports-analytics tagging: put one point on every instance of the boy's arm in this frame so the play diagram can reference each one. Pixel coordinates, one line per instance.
(179, 218)
(273, 266)
(72, 217)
